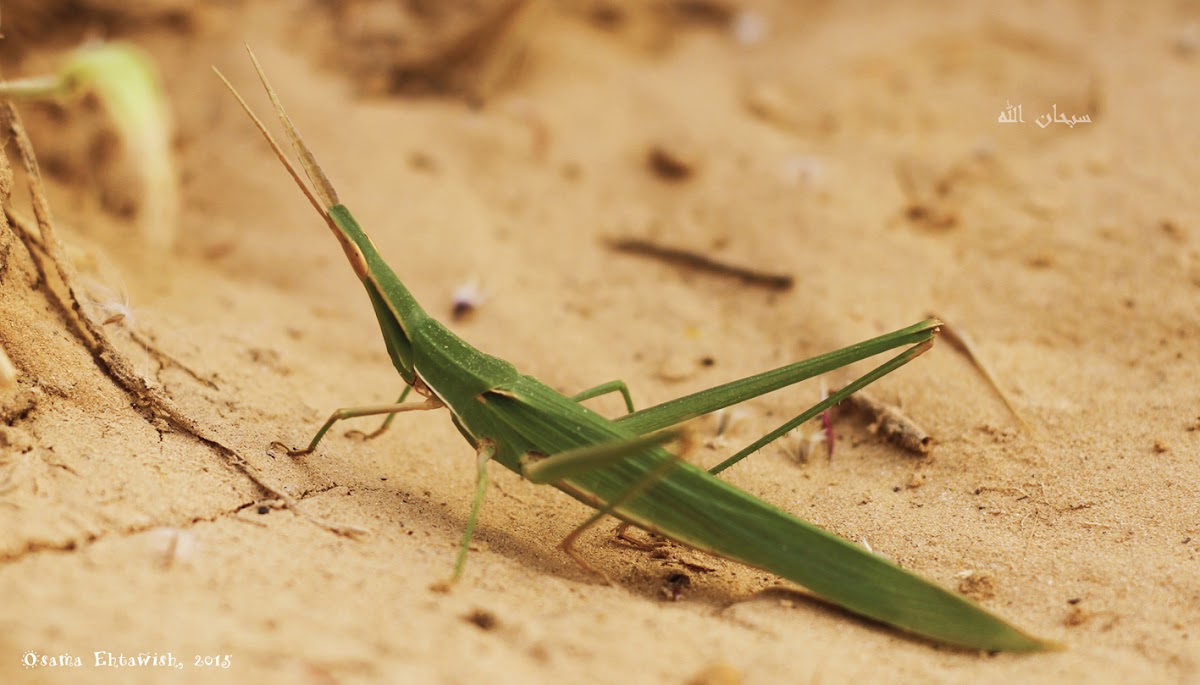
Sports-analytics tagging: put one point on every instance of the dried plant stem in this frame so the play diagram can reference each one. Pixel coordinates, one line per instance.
(32, 235)
(891, 423)
(8, 372)
(688, 259)
(152, 402)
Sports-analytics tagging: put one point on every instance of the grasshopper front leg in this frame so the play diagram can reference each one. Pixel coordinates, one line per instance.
(354, 412)
(387, 423)
(399, 407)
(604, 389)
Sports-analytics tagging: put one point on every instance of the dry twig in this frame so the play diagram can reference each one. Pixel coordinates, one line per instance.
(698, 262)
(151, 402)
(958, 338)
(891, 423)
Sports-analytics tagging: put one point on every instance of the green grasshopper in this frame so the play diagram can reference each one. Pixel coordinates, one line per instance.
(619, 466)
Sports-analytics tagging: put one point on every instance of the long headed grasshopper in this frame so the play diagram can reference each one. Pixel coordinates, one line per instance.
(619, 466)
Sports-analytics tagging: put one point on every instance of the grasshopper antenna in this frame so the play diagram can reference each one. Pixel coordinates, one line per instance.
(322, 196)
(321, 184)
(262, 128)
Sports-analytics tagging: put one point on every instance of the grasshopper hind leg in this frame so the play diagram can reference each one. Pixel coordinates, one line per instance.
(568, 543)
(576, 462)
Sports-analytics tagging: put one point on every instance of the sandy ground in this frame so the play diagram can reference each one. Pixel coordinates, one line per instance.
(858, 150)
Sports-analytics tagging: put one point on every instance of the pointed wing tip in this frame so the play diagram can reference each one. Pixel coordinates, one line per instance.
(1017, 641)
(1040, 645)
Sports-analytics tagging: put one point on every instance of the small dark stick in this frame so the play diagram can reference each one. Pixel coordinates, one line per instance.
(698, 262)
